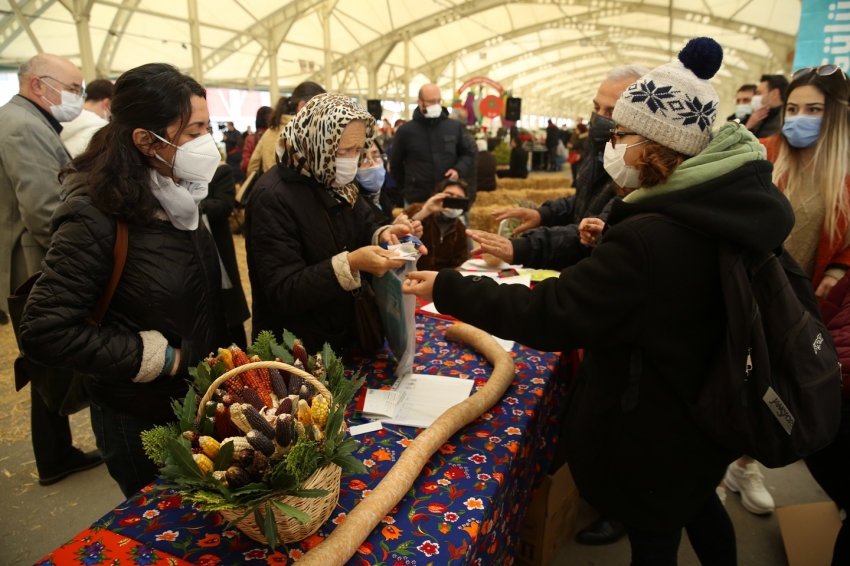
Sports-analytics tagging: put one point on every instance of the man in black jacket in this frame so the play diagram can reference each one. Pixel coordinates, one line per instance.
(550, 237)
(519, 162)
(767, 104)
(553, 136)
(430, 148)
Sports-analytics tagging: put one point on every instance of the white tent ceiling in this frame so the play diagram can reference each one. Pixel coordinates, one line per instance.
(553, 53)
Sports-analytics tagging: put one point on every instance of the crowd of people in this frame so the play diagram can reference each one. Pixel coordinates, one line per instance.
(79, 166)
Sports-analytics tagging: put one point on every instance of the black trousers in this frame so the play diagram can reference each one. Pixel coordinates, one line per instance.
(831, 469)
(51, 436)
(711, 534)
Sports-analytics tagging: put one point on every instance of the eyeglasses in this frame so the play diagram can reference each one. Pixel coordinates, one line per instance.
(823, 71)
(78, 92)
(369, 162)
(615, 134)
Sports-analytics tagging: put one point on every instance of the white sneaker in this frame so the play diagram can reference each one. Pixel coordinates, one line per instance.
(750, 484)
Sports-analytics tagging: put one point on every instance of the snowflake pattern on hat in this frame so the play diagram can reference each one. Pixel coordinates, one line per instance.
(660, 99)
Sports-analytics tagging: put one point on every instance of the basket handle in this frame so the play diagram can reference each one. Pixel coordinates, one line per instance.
(323, 391)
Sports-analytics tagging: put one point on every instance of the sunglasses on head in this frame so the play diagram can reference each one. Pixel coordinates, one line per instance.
(823, 71)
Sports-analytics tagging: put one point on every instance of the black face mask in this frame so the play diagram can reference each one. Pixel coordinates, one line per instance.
(599, 131)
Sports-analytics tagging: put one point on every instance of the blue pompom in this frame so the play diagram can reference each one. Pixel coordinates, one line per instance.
(703, 56)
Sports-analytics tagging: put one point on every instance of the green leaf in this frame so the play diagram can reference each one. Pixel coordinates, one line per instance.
(225, 455)
(184, 459)
(190, 410)
(347, 447)
(175, 473)
(217, 371)
(237, 520)
(350, 464)
(223, 489)
(193, 373)
(288, 338)
(279, 351)
(310, 493)
(251, 488)
(291, 511)
(202, 382)
(270, 530)
(207, 425)
(258, 517)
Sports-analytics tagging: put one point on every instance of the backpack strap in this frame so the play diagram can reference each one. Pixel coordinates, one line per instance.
(119, 255)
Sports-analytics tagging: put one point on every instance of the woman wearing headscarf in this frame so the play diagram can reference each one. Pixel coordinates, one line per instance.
(647, 307)
(263, 156)
(309, 234)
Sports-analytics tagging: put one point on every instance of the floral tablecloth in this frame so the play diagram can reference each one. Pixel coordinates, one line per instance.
(466, 507)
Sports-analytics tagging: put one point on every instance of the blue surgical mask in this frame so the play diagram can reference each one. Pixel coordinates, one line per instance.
(372, 178)
(802, 131)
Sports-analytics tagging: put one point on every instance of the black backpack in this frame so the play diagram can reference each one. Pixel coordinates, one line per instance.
(773, 392)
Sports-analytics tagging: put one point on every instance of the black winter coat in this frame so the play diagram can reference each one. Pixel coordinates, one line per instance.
(290, 246)
(424, 149)
(557, 245)
(650, 289)
(519, 163)
(218, 205)
(486, 177)
(171, 283)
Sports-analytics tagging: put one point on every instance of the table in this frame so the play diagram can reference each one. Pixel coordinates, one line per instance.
(466, 507)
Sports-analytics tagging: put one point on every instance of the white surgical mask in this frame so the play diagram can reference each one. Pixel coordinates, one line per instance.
(743, 110)
(615, 165)
(433, 111)
(70, 108)
(346, 170)
(757, 102)
(371, 178)
(194, 161)
(452, 213)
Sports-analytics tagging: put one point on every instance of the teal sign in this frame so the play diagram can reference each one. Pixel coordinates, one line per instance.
(824, 35)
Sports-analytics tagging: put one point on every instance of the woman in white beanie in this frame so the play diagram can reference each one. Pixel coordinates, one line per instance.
(647, 307)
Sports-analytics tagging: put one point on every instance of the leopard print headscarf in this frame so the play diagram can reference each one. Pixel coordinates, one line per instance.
(311, 139)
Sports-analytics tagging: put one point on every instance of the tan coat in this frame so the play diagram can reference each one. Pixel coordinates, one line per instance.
(263, 157)
(31, 155)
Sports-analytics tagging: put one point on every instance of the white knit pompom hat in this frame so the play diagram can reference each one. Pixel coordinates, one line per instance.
(674, 104)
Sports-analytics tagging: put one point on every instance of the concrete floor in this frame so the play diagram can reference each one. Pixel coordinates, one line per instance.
(758, 536)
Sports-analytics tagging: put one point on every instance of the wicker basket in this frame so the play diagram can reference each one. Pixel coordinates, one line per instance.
(327, 478)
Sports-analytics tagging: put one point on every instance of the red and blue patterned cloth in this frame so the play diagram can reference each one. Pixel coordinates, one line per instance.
(466, 507)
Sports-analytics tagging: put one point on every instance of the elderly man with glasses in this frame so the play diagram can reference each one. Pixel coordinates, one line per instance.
(31, 156)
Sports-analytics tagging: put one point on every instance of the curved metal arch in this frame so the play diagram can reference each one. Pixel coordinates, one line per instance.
(755, 61)
(596, 9)
(277, 25)
(10, 21)
(113, 37)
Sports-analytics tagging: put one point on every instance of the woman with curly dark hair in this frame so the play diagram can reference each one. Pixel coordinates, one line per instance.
(148, 168)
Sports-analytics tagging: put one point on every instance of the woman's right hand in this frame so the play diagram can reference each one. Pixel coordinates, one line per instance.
(373, 259)
(589, 229)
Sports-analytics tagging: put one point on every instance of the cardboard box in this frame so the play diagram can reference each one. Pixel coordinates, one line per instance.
(809, 532)
(550, 519)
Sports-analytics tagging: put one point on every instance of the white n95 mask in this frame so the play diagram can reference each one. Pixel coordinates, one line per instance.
(194, 161)
(615, 165)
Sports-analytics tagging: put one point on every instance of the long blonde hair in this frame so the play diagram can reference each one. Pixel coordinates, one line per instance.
(831, 161)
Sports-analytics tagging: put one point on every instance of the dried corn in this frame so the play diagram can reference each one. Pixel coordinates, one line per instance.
(239, 443)
(209, 445)
(300, 353)
(260, 442)
(263, 384)
(257, 421)
(204, 463)
(304, 416)
(278, 383)
(252, 397)
(226, 357)
(283, 431)
(319, 411)
(238, 417)
(223, 425)
(285, 407)
(221, 476)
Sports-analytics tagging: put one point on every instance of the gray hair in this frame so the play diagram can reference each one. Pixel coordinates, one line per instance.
(624, 72)
(33, 67)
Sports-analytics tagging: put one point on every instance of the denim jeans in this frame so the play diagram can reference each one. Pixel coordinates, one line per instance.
(118, 437)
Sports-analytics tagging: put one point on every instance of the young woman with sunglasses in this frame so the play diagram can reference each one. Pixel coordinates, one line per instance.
(812, 161)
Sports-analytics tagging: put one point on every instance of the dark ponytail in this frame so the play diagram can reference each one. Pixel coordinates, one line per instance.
(289, 105)
(151, 97)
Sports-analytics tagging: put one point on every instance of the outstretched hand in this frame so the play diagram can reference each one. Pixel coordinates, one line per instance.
(421, 284)
(492, 244)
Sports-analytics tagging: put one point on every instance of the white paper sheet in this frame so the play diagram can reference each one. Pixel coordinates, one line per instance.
(423, 398)
(481, 265)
